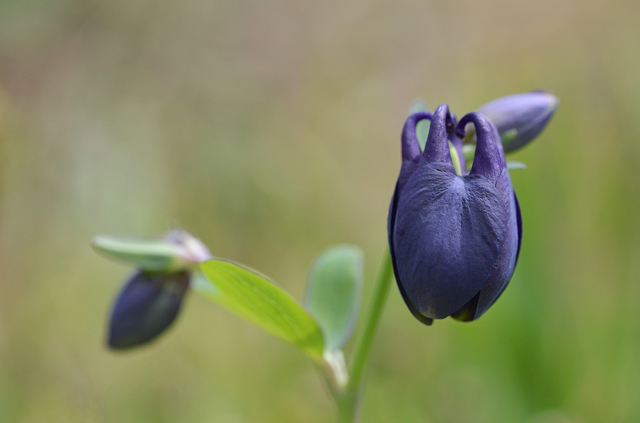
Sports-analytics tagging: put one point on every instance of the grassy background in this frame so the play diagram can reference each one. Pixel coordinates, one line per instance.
(271, 129)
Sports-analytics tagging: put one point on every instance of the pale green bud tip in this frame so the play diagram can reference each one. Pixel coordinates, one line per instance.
(176, 250)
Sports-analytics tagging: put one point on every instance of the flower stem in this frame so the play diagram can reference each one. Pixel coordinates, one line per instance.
(348, 400)
(347, 408)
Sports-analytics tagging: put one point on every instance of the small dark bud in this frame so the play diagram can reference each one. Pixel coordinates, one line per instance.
(147, 305)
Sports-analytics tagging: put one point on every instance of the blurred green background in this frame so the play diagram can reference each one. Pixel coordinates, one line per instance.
(270, 129)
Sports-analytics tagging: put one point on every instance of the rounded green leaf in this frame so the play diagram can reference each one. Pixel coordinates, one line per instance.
(147, 253)
(254, 297)
(334, 292)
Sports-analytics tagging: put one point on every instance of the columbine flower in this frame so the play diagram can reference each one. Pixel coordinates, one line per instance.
(519, 118)
(454, 239)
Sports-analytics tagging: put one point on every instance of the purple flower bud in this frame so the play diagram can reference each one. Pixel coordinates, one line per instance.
(454, 239)
(520, 117)
(146, 307)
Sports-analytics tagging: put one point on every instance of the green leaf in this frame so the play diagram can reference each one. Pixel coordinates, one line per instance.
(422, 128)
(334, 292)
(146, 253)
(254, 297)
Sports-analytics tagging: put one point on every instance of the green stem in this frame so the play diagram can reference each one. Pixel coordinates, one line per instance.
(347, 408)
(348, 400)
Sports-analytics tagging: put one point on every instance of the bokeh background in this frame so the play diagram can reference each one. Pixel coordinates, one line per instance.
(270, 129)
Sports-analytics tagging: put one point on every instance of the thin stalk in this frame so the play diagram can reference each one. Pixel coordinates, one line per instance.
(347, 408)
(348, 400)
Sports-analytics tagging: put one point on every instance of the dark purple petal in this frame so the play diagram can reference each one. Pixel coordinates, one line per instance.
(488, 304)
(416, 313)
(146, 307)
(519, 222)
(489, 158)
(526, 113)
(405, 173)
(489, 161)
(505, 264)
(448, 233)
(411, 156)
(503, 268)
(436, 150)
(410, 144)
